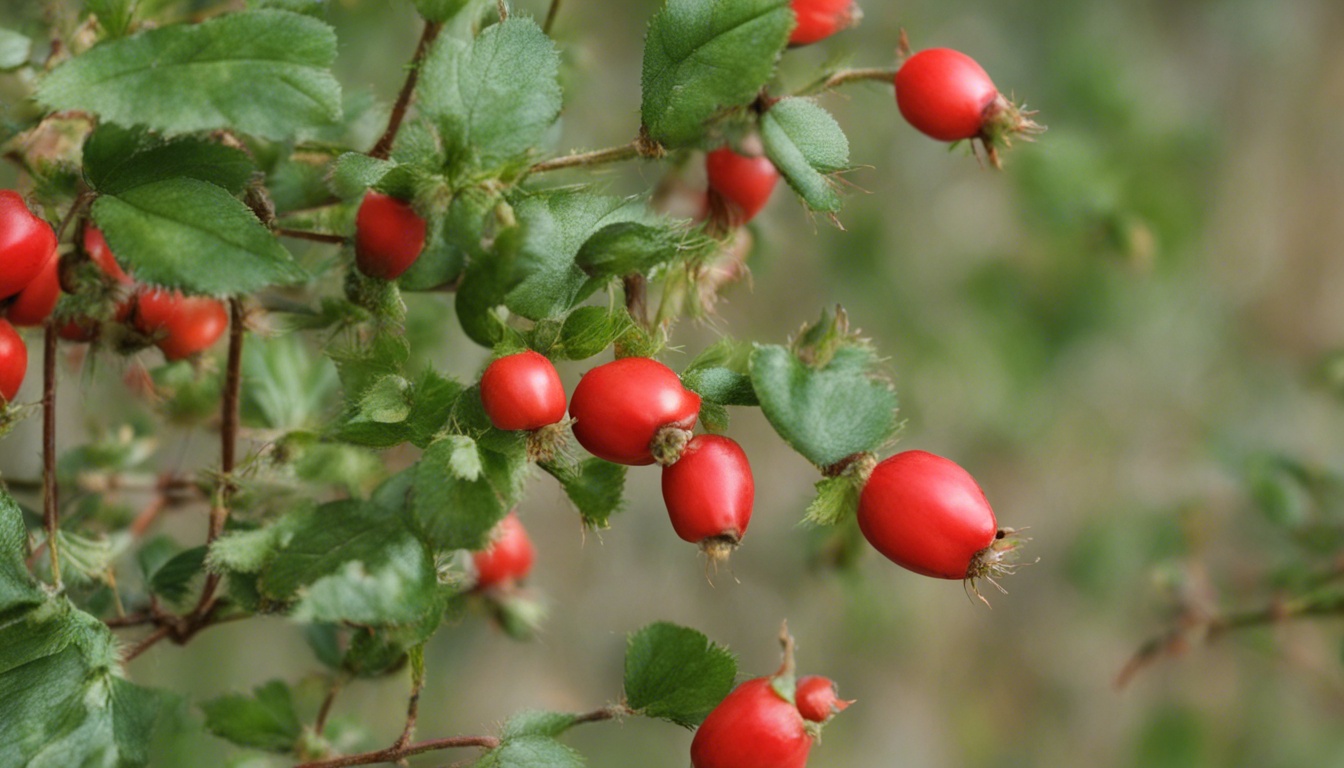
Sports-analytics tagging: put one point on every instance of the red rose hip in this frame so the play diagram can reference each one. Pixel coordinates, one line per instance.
(522, 391)
(13, 361)
(753, 727)
(741, 183)
(33, 305)
(819, 19)
(621, 406)
(709, 493)
(181, 326)
(389, 236)
(95, 245)
(946, 95)
(927, 514)
(508, 558)
(26, 242)
(817, 700)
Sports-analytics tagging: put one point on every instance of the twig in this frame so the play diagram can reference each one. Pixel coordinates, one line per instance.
(317, 237)
(637, 298)
(383, 148)
(550, 16)
(846, 76)
(322, 714)
(149, 642)
(596, 157)
(51, 520)
(417, 657)
(393, 754)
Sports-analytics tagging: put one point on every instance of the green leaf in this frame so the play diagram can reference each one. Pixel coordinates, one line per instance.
(188, 234)
(493, 97)
(62, 699)
(806, 144)
(829, 397)
(452, 240)
(589, 331)
(354, 172)
(530, 752)
(454, 513)
(676, 674)
(556, 224)
(721, 385)
(117, 159)
(14, 49)
(264, 73)
(703, 58)
(837, 498)
(430, 401)
(172, 580)
(265, 720)
(440, 10)
(351, 561)
(594, 485)
(359, 365)
(464, 460)
(114, 16)
(388, 401)
(631, 246)
(537, 723)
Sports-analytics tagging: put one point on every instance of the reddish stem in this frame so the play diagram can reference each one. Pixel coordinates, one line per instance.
(51, 520)
(394, 753)
(383, 148)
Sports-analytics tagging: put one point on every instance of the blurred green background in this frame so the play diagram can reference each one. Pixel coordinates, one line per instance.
(1109, 335)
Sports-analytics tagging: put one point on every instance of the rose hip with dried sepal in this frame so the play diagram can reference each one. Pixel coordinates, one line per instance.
(709, 493)
(633, 411)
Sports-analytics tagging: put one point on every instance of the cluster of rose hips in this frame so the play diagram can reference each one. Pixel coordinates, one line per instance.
(30, 285)
(633, 411)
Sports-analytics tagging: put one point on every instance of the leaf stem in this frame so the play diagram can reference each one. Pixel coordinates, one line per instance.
(320, 723)
(317, 237)
(597, 157)
(550, 16)
(394, 753)
(637, 298)
(383, 148)
(50, 513)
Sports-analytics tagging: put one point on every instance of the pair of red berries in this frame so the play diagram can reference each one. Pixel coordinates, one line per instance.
(27, 247)
(635, 411)
(757, 727)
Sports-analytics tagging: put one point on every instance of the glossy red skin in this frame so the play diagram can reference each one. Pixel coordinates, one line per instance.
(944, 94)
(13, 361)
(744, 182)
(25, 243)
(95, 245)
(85, 329)
(618, 408)
(34, 304)
(926, 513)
(819, 19)
(389, 236)
(816, 698)
(181, 326)
(522, 391)
(752, 728)
(509, 556)
(709, 490)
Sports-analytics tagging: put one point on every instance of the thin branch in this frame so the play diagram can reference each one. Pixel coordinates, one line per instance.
(50, 513)
(847, 76)
(317, 237)
(550, 16)
(597, 157)
(637, 298)
(325, 712)
(383, 148)
(149, 642)
(417, 657)
(76, 208)
(393, 754)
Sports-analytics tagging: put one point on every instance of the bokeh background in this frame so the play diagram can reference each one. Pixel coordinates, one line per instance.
(1110, 334)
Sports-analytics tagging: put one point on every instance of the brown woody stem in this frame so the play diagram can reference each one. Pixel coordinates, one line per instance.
(50, 513)
(383, 148)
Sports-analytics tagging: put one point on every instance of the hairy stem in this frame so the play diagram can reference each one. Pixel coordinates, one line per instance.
(847, 76)
(50, 513)
(596, 157)
(383, 148)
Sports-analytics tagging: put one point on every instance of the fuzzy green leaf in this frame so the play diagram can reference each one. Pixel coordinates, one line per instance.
(493, 97)
(594, 486)
(702, 58)
(265, 720)
(454, 513)
(440, 10)
(114, 16)
(189, 234)
(806, 144)
(530, 752)
(264, 73)
(354, 172)
(837, 498)
(676, 674)
(172, 580)
(117, 159)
